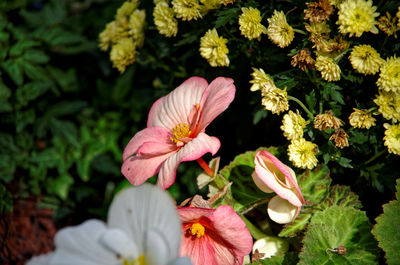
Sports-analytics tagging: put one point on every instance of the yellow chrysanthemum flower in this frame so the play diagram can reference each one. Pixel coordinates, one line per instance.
(389, 77)
(113, 32)
(136, 26)
(123, 54)
(398, 17)
(330, 70)
(293, 125)
(302, 153)
(261, 80)
(275, 100)
(164, 19)
(186, 9)
(279, 31)
(126, 10)
(250, 23)
(326, 121)
(210, 4)
(319, 34)
(227, 2)
(336, 3)
(392, 138)
(388, 24)
(389, 105)
(357, 17)
(365, 59)
(213, 48)
(361, 119)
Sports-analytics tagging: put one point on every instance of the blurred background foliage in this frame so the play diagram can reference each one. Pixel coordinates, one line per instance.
(66, 114)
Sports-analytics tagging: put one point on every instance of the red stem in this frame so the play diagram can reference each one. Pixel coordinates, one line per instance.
(204, 165)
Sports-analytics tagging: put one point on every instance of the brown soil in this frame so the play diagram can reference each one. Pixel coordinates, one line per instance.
(25, 232)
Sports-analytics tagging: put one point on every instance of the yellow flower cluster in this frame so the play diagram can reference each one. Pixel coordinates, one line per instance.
(392, 138)
(124, 35)
(302, 153)
(361, 119)
(330, 70)
(365, 59)
(164, 19)
(293, 125)
(279, 31)
(273, 99)
(357, 17)
(186, 9)
(389, 105)
(250, 23)
(213, 48)
(389, 78)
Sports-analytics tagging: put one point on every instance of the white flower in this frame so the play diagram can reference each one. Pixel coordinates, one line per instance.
(143, 227)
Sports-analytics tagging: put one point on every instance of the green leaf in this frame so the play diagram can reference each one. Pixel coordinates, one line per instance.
(344, 162)
(6, 201)
(31, 91)
(14, 70)
(339, 226)
(18, 48)
(260, 114)
(315, 184)
(290, 258)
(35, 72)
(341, 196)
(60, 186)
(332, 91)
(226, 15)
(311, 100)
(296, 226)
(35, 56)
(5, 94)
(24, 118)
(387, 231)
(239, 171)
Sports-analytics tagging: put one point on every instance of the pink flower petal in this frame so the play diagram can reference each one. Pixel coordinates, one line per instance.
(175, 107)
(232, 229)
(200, 250)
(187, 214)
(158, 135)
(266, 165)
(193, 150)
(138, 169)
(216, 99)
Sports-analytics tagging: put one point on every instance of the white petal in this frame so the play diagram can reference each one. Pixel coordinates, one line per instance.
(281, 211)
(118, 242)
(136, 210)
(156, 247)
(79, 245)
(40, 260)
(181, 261)
(270, 246)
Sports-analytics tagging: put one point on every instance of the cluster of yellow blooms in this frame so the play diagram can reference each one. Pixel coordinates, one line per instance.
(301, 152)
(124, 35)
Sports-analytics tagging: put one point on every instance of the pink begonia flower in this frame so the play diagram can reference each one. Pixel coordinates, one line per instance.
(214, 236)
(271, 175)
(176, 130)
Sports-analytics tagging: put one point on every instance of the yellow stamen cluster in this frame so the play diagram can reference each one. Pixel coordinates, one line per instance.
(357, 17)
(250, 23)
(330, 70)
(141, 260)
(389, 77)
(186, 9)
(213, 48)
(124, 35)
(302, 153)
(389, 105)
(179, 132)
(197, 230)
(392, 138)
(279, 31)
(293, 125)
(365, 59)
(361, 119)
(164, 19)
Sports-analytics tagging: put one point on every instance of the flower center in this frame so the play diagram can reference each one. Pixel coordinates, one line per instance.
(197, 230)
(141, 260)
(180, 132)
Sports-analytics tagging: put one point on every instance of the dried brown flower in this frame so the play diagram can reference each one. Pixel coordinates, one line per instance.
(319, 34)
(388, 24)
(318, 11)
(303, 60)
(340, 138)
(327, 121)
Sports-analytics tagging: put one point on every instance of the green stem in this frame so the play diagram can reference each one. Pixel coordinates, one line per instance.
(337, 58)
(300, 31)
(375, 156)
(309, 113)
(252, 206)
(254, 231)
